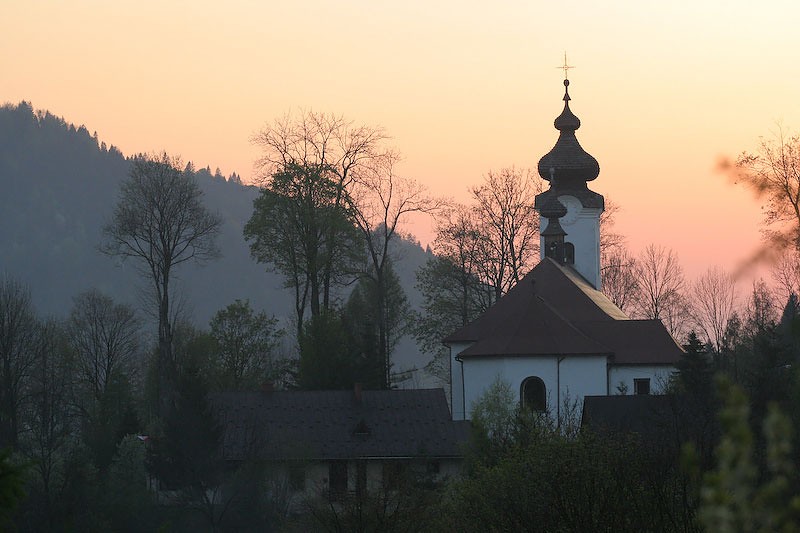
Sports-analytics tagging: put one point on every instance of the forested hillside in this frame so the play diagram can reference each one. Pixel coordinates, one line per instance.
(59, 187)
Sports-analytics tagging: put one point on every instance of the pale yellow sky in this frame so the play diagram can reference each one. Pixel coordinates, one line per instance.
(663, 89)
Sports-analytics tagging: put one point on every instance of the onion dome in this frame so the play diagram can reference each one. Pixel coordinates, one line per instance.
(568, 161)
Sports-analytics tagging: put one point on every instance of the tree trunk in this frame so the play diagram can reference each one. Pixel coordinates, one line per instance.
(165, 365)
(383, 341)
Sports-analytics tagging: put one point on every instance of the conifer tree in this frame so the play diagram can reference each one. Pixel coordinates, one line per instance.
(695, 370)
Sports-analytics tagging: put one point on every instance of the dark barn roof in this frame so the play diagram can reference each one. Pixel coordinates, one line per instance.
(320, 425)
(553, 310)
(641, 414)
(661, 421)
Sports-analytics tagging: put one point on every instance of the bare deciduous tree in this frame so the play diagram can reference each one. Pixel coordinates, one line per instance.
(381, 201)
(458, 241)
(620, 282)
(313, 247)
(161, 222)
(52, 436)
(611, 243)
(661, 286)
(18, 328)
(785, 272)
(760, 311)
(452, 290)
(104, 335)
(484, 248)
(330, 150)
(773, 173)
(508, 226)
(357, 172)
(618, 267)
(714, 296)
(327, 143)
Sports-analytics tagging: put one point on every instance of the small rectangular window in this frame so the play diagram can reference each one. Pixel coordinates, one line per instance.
(641, 386)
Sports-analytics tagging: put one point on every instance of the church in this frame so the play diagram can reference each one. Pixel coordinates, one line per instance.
(555, 337)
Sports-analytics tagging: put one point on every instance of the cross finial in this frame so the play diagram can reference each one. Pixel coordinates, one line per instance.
(566, 66)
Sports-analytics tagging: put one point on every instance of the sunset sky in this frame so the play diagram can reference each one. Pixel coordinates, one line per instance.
(663, 90)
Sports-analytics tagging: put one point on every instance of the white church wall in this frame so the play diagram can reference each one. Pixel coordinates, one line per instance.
(621, 378)
(584, 234)
(566, 377)
(456, 383)
(582, 376)
(582, 226)
(479, 374)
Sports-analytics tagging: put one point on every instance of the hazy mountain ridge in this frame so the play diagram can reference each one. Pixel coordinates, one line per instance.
(59, 185)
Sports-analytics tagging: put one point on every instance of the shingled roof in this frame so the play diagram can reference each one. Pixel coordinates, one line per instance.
(663, 421)
(321, 425)
(553, 310)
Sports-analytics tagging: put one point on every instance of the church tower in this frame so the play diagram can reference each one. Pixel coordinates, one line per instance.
(569, 212)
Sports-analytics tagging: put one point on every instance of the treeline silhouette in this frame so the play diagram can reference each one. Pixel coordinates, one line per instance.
(58, 186)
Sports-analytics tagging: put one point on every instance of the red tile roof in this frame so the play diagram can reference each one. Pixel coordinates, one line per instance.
(553, 310)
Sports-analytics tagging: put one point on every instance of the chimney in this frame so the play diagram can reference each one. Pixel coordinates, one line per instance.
(357, 393)
(267, 387)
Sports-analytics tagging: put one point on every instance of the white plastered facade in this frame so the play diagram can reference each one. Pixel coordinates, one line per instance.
(566, 379)
(583, 231)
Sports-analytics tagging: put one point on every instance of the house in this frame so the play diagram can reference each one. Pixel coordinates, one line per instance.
(338, 442)
(555, 337)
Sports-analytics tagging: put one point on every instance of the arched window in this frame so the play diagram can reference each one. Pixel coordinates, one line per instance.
(569, 253)
(533, 394)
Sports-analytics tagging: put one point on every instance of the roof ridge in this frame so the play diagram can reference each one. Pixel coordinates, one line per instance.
(572, 325)
(569, 271)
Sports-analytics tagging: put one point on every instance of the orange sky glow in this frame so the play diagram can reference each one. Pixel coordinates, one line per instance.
(663, 90)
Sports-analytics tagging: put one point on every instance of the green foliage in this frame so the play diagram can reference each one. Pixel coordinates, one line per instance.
(765, 369)
(327, 359)
(366, 313)
(246, 345)
(790, 322)
(360, 322)
(301, 227)
(12, 478)
(161, 223)
(759, 353)
(62, 490)
(736, 496)
(547, 482)
(695, 369)
(206, 491)
(528, 472)
(107, 420)
(127, 502)
(341, 347)
(452, 297)
(186, 455)
(495, 421)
